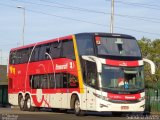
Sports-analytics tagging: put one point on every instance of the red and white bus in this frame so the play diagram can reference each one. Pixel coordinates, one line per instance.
(84, 72)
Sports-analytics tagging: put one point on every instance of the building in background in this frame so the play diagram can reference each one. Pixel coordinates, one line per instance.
(3, 85)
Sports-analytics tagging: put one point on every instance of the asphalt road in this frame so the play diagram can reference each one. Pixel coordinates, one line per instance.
(16, 114)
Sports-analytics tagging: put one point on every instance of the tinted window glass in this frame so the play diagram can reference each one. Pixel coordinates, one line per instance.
(18, 57)
(52, 80)
(43, 50)
(12, 57)
(24, 55)
(65, 80)
(122, 78)
(90, 73)
(68, 50)
(55, 49)
(118, 47)
(85, 44)
(44, 79)
(73, 82)
(35, 54)
(35, 82)
(59, 83)
(39, 81)
(59, 80)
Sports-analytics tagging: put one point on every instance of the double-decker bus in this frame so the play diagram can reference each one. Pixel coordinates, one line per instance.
(84, 72)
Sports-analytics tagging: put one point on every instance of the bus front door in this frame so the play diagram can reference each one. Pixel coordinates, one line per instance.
(91, 78)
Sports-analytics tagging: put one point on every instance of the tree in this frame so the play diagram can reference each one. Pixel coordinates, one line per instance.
(151, 50)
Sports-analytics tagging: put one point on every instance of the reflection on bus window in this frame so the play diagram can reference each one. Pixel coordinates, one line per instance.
(73, 81)
(118, 47)
(58, 80)
(89, 73)
(121, 78)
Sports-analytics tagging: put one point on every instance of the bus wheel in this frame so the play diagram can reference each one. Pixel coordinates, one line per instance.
(21, 102)
(77, 109)
(28, 105)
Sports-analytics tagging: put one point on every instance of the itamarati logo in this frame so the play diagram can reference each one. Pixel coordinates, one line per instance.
(65, 66)
(62, 67)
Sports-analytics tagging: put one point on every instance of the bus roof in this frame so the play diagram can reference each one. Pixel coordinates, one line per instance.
(42, 42)
(108, 34)
(70, 36)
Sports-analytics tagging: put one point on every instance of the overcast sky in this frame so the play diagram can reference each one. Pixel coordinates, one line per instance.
(47, 19)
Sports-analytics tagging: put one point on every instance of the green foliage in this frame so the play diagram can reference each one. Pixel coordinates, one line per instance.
(151, 50)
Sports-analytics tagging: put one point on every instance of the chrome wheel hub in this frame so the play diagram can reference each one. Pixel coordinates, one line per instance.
(77, 106)
(21, 102)
(29, 103)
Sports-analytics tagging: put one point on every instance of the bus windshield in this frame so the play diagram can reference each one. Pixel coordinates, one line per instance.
(118, 47)
(122, 78)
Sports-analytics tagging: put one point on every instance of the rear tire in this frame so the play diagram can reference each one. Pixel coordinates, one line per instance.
(27, 104)
(77, 109)
(21, 102)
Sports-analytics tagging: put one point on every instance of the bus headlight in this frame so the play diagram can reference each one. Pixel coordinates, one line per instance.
(142, 98)
(104, 98)
(101, 97)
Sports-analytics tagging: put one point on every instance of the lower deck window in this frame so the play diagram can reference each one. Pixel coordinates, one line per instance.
(58, 80)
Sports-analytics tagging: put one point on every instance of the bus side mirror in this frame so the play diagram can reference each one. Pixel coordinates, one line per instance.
(153, 67)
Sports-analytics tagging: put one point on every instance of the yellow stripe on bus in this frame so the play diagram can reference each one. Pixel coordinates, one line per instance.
(78, 65)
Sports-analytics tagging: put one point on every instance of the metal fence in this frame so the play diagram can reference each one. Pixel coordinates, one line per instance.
(153, 100)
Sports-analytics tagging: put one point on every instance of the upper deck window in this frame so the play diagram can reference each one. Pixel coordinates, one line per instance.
(85, 44)
(68, 49)
(117, 47)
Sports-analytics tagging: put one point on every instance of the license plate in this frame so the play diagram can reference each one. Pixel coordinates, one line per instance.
(124, 107)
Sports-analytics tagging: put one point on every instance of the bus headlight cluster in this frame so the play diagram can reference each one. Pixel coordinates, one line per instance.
(142, 98)
(101, 97)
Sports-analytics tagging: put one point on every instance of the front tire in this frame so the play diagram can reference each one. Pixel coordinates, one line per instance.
(77, 109)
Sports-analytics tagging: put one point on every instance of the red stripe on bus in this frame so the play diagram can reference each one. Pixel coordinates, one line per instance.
(122, 63)
(124, 96)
